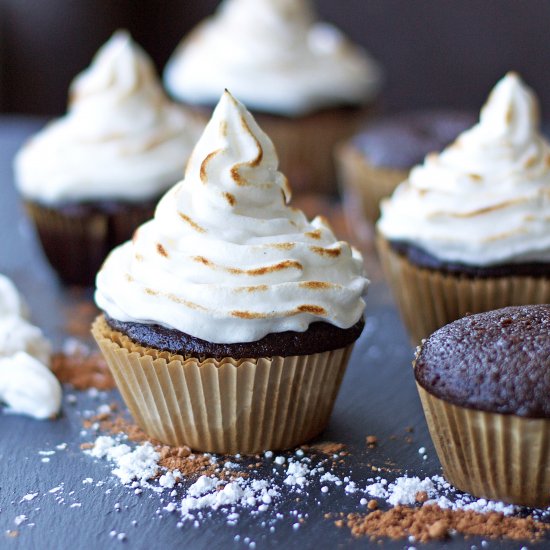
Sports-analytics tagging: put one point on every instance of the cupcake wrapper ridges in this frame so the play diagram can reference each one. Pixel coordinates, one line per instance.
(227, 405)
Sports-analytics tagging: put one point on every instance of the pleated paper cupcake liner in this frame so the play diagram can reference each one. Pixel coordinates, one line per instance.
(228, 405)
(491, 455)
(363, 185)
(429, 299)
(76, 244)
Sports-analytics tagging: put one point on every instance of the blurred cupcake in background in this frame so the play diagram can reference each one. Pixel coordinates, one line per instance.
(469, 231)
(92, 176)
(306, 84)
(379, 157)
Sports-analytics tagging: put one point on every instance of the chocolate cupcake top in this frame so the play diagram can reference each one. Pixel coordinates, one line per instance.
(400, 141)
(274, 57)
(485, 200)
(120, 139)
(498, 361)
(225, 259)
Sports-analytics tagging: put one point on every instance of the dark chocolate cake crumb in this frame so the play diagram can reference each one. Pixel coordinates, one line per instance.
(419, 257)
(498, 361)
(319, 337)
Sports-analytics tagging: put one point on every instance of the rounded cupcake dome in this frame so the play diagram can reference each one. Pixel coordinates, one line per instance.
(275, 57)
(497, 361)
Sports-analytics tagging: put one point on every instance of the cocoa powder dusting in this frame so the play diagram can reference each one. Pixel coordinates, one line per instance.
(430, 522)
(190, 464)
(83, 371)
(325, 447)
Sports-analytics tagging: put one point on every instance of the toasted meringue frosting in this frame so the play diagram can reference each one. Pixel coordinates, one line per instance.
(120, 139)
(27, 386)
(274, 57)
(485, 199)
(225, 259)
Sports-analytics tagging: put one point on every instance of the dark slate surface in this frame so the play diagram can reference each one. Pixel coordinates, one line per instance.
(377, 397)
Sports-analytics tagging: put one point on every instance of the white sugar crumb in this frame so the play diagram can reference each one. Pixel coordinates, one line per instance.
(75, 505)
(280, 460)
(296, 474)
(29, 497)
(405, 489)
(20, 519)
(169, 479)
(87, 480)
(140, 463)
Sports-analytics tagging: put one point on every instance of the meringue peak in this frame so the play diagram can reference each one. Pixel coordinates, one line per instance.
(511, 110)
(120, 63)
(234, 154)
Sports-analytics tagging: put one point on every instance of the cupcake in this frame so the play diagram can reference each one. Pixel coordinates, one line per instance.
(229, 318)
(27, 386)
(378, 158)
(484, 385)
(305, 82)
(469, 231)
(89, 178)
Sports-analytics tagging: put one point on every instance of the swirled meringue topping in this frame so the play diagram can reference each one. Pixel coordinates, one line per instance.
(120, 139)
(27, 386)
(484, 200)
(225, 259)
(274, 56)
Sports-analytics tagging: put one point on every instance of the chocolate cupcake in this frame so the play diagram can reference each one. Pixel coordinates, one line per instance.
(469, 230)
(229, 318)
(378, 158)
(89, 178)
(484, 385)
(305, 82)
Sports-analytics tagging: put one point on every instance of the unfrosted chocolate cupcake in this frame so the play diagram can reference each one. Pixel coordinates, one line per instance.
(89, 178)
(378, 158)
(484, 384)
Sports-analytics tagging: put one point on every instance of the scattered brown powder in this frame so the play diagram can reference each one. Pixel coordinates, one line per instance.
(421, 497)
(430, 522)
(372, 504)
(190, 464)
(325, 447)
(372, 440)
(83, 371)
(79, 316)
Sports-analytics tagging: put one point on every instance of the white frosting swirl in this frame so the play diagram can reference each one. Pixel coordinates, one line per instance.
(120, 139)
(27, 385)
(274, 57)
(225, 259)
(485, 199)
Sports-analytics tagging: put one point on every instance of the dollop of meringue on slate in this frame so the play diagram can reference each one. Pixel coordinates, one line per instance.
(27, 386)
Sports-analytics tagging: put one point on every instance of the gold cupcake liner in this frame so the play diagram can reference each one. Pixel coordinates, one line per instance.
(364, 185)
(429, 299)
(76, 244)
(228, 405)
(491, 455)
